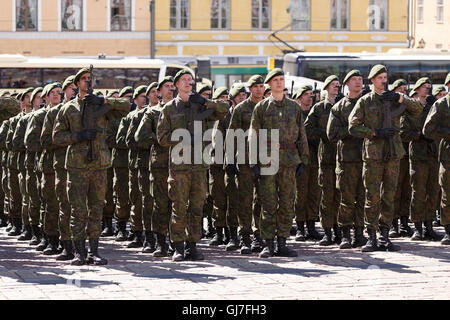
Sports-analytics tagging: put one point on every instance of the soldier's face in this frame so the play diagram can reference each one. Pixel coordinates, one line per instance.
(441, 94)
(167, 90)
(379, 81)
(83, 83)
(55, 96)
(37, 101)
(333, 88)
(26, 99)
(257, 90)
(224, 97)
(401, 89)
(268, 93)
(140, 100)
(277, 84)
(69, 92)
(240, 97)
(115, 95)
(128, 96)
(206, 94)
(355, 83)
(153, 96)
(424, 90)
(185, 83)
(306, 99)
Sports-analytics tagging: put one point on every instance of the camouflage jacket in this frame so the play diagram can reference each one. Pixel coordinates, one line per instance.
(313, 143)
(9, 107)
(141, 156)
(3, 133)
(69, 122)
(437, 126)
(13, 156)
(316, 128)
(26, 159)
(178, 114)
(368, 115)
(54, 156)
(286, 116)
(349, 148)
(121, 138)
(145, 137)
(32, 138)
(222, 125)
(119, 156)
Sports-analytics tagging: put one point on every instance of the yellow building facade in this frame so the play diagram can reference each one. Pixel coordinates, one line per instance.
(194, 27)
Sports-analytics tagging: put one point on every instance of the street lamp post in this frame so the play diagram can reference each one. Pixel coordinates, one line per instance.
(152, 29)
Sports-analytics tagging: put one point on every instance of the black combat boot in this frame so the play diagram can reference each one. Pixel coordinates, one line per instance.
(393, 233)
(122, 234)
(210, 230)
(67, 253)
(359, 240)
(384, 244)
(429, 233)
(108, 230)
(257, 243)
(371, 244)
(405, 229)
(337, 234)
(283, 250)
(161, 247)
(9, 225)
(43, 244)
(226, 238)
(138, 240)
(52, 247)
(418, 232)
(312, 233)
(178, 255)
(26, 233)
(327, 239)
(233, 244)
(17, 227)
(293, 231)
(446, 240)
(80, 253)
(269, 249)
(217, 240)
(346, 238)
(149, 243)
(37, 235)
(93, 256)
(300, 235)
(191, 252)
(246, 244)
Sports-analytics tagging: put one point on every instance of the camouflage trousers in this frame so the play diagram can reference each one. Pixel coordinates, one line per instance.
(51, 216)
(380, 181)
(110, 207)
(64, 205)
(25, 198)
(120, 193)
(425, 190)
(232, 194)
(86, 191)
(307, 196)
(34, 196)
(249, 213)
(2, 194)
(444, 182)
(350, 185)
(329, 197)
(5, 190)
(402, 198)
(222, 217)
(208, 207)
(135, 201)
(15, 198)
(147, 199)
(277, 199)
(161, 209)
(187, 191)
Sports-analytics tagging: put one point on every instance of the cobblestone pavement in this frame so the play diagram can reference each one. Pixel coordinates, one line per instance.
(421, 270)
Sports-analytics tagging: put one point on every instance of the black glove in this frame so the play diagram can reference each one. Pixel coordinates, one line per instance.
(231, 170)
(390, 96)
(431, 99)
(195, 97)
(385, 133)
(86, 135)
(339, 97)
(256, 171)
(92, 99)
(299, 170)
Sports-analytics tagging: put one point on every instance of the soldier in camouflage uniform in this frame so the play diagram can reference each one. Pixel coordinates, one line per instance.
(349, 164)
(187, 181)
(277, 191)
(447, 82)
(315, 125)
(86, 180)
(368, 120)
(424, 165)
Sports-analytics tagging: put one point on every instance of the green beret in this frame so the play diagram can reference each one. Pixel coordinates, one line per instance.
(302, 90)
(45, 90)
(35, 92)
(4, 93)
(352, 73)
(139, 90)
(28, 90)
(14, 94)
(412, 93)
(329, 80)
(19, 96)
(438, 90)
(447, 79)
(274, 73)
(52, 86)
(236, 90)
(98, 93)
(150, 87)
(125, 90)
(181, 73)
(79, 74)
(398, 83)
(220, 92)
(256, 79)
(267, 89)
(110, 93)
(68, 82)
(164, 80)
(421, 82)
(204, 87)
(376, 70)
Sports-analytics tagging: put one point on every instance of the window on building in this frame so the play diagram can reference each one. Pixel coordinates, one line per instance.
(220, 14)
(419, 11)
(440, 11)
(340, 11)
(26, 15)
(378, 13)
(300, 11)
(260, 14)
(72, 15)
(120, 15)
(179, 14)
